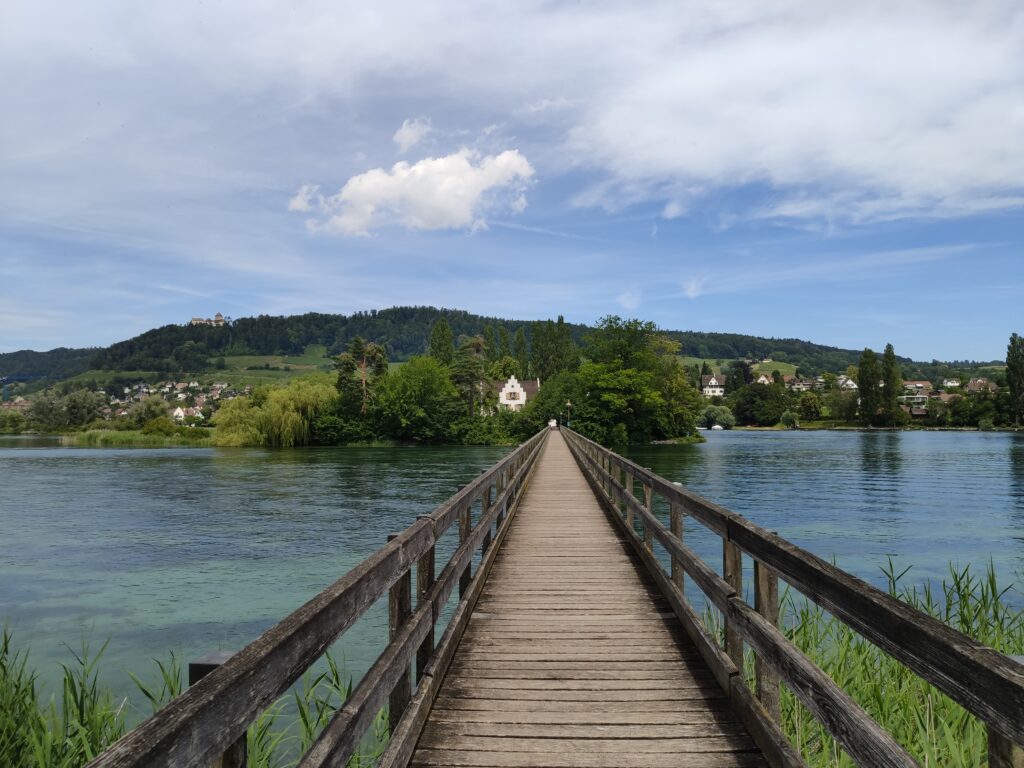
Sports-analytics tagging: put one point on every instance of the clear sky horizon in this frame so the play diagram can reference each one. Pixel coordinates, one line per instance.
(848, 175)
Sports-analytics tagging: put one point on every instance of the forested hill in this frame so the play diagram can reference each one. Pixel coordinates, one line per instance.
(57, 364)
(403, 331)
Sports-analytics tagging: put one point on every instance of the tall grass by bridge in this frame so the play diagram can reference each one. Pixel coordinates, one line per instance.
(68, 729)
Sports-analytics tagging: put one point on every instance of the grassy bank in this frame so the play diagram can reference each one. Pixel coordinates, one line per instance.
(133, 438)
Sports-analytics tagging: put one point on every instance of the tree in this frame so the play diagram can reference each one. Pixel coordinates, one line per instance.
(417, 402)
(521, 353)
(868, 375)
(1015, 376)
(441, 348)
(761, 405)
(491, 352)
(705, 369)
(809, 406)
(740, 375)
(358, 369)
(717, 414)
(467, 372)
(892, 385)
(777, 377)
(147, 409)
(504, 345)
(47, 413)
(789, 420)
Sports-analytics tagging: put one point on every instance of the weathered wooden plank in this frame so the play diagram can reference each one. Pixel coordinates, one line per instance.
(429, 758)
(646, 745)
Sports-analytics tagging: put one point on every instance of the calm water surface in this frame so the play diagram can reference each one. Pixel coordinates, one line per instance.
(198, 549)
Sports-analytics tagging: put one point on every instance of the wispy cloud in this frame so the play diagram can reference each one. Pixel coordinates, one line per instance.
(753, 277)
(411, 133)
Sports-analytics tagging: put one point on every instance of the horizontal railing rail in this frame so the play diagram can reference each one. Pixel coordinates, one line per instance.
(206, 721)
(988, 684)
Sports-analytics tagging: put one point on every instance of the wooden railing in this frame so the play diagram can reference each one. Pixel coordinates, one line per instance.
(986, 683)
(207, 723)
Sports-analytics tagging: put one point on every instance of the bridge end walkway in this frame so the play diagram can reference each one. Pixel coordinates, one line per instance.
(572, 657)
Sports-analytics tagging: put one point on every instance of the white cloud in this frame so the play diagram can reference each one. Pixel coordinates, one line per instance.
(629, 299)
(693, 287)
(411, 133)
(452, 192)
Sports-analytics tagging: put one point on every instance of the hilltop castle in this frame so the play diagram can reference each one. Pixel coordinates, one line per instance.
(218, 320)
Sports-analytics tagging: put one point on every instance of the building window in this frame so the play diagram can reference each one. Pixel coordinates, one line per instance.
(512, 396)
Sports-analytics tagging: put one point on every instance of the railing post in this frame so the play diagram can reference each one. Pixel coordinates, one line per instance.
(399, 611)
(629, 494)
(485, 508)
(425, 577)
(498, 488)
(732, 572)
(649, 506)
(465, 526)
(1002, 752)
(234, 756)
(766, 602)
(676, 523)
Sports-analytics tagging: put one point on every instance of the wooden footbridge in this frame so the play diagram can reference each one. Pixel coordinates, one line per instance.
(570, 641)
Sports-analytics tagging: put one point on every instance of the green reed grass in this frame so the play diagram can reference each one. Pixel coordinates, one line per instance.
(68, 730)
(934, 729)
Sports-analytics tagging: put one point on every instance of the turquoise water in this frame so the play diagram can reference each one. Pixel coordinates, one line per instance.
(200, 549)
(925, 499)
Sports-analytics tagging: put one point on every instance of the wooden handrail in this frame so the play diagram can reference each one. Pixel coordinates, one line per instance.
(985, 682)
(198, 726)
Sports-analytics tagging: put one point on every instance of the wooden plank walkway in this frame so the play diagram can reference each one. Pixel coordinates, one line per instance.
(571, 658)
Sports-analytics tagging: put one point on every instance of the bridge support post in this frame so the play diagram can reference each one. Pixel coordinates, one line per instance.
(732, 572)
(425, 577)
(649, 505)
(234, 756)
(498, 488)
(465, 527)
(630, 494)
(676, 523)
(1002, 752)
(485, 508)
(399, 611)
(766, 602)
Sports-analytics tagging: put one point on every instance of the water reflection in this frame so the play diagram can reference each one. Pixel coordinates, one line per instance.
(1016, 469)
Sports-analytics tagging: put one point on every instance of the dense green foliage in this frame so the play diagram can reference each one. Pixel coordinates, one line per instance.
(1015, 376)
(630, 387)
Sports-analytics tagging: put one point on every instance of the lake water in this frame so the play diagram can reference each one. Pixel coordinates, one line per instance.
(199, 549)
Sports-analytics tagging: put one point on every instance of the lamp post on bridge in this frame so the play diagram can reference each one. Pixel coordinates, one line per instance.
(568, 407)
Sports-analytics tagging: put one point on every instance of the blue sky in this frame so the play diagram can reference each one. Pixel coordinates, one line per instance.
(852, 176)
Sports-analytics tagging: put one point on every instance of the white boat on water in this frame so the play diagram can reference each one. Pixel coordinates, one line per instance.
(718, 427)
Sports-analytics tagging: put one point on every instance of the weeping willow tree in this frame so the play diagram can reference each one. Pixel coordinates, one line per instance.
(275, 417)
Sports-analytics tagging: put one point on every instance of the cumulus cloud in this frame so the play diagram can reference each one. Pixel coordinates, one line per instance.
(451, 192)
(411, 133)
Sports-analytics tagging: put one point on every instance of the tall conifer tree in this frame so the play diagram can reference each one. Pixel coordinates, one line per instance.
(441, 348)
(1015, 376)
(892, 385)
(868, 374)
